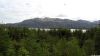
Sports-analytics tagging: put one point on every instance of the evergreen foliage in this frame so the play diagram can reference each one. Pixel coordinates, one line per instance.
(15, 41)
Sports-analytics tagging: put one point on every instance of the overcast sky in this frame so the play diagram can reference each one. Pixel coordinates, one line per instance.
(18, 10)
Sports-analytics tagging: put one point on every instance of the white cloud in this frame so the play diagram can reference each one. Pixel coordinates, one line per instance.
(18, 10)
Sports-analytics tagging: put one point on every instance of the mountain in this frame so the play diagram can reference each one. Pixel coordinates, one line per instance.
(97, 22)
(54, 23)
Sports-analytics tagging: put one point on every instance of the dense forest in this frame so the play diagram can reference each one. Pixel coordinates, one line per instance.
(21, 41)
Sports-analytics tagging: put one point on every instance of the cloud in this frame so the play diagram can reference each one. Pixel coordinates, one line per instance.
(18, 10)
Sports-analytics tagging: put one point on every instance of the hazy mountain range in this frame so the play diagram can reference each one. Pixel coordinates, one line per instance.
(55, 23)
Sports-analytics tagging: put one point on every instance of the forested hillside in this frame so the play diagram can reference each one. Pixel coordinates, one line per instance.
(55, 23)
(19, 41)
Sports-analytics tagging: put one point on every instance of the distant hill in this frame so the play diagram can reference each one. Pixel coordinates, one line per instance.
(97, 22)
(54, 23)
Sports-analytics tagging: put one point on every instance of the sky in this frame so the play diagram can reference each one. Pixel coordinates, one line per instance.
(12, 11)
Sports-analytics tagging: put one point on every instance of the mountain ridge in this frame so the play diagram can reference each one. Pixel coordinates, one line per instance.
(54, 23)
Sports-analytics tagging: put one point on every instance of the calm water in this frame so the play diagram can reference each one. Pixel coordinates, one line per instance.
(72, 30)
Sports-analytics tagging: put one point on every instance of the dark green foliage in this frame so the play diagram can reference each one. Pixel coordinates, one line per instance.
(97, 41)
(15, 41)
